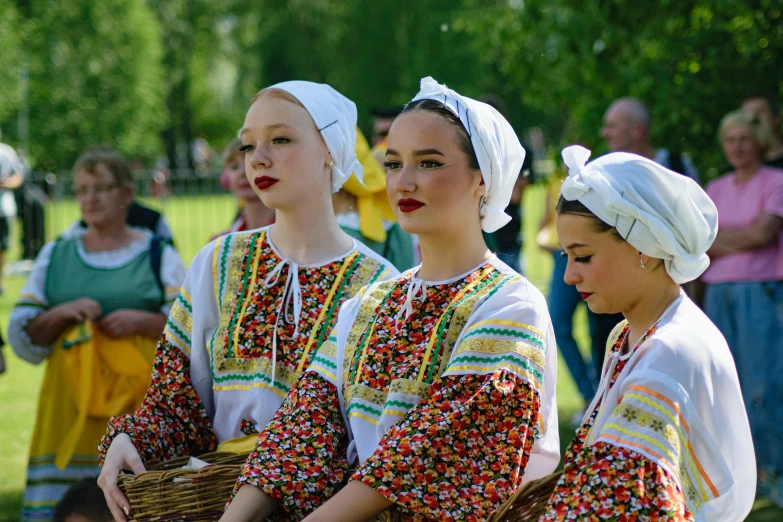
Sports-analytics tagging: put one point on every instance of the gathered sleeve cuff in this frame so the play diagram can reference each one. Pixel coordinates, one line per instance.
(300, 458)
(32, 302)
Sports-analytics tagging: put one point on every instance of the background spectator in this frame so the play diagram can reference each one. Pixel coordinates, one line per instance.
(766, 108)
(364, 212)
(744, 295)
(94, 307)
(11, 177)
(137, 215)
(627, 129)
(252, 211)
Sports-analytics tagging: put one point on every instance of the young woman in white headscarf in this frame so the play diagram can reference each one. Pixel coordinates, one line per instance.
(666, 437)
(255, 305)
(437, 386)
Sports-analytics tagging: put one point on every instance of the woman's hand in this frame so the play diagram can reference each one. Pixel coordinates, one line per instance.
(121, 455)
(80, 310)
(45, 328)
(356, 502)
(249, 505)
(124, 323)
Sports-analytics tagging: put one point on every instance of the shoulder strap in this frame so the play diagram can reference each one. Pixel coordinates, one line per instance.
(156, 256)
(143, 217)
(675, 162)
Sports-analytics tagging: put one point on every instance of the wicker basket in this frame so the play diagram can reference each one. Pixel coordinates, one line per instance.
(156, 497)
(529, 502)
(166, 492)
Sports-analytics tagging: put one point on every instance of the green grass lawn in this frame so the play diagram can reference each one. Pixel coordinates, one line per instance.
(194, 220)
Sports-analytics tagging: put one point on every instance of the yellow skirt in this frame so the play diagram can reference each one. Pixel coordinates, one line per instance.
(89, 378)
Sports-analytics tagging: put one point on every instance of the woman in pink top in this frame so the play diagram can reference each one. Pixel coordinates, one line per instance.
(745, 285)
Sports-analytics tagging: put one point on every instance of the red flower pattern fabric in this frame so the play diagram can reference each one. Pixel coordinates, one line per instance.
(606, 482)
(456, 455)
(173, 421)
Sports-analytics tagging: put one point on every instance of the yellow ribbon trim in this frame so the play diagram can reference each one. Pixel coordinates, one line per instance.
(249, 290)
(244, 444)
(324, 310)
(434, 336)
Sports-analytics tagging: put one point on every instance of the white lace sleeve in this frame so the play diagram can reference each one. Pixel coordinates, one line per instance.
(172, 274)
(32, 301)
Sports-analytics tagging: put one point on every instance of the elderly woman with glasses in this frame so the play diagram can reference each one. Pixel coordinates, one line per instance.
(93, 307)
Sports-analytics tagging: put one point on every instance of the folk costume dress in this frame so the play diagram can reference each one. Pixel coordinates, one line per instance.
(88, 377)
(667, 437)
(245, 325)
(442, 393)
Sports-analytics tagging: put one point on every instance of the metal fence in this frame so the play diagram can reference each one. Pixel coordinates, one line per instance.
(195, 206)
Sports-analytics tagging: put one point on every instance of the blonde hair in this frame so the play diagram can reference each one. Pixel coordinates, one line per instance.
(740, 118)
(231, 150)
(279, 94)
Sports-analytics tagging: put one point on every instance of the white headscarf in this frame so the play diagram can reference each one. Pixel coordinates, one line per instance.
(499, 153)
(662, 214)
(335, 117)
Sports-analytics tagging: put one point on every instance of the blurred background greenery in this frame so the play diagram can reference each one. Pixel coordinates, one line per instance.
(150, 75)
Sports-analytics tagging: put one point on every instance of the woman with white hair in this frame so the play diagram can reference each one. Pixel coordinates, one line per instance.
(255, 305)
(439, 384)
(744, 295)
(666, 437)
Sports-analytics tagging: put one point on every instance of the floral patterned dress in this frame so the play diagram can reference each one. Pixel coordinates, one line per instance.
(245, 325)
(608, 482)
(436, 388)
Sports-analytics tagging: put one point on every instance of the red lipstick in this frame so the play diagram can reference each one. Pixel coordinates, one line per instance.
(264, 182)
(585, 295)
(409, 205)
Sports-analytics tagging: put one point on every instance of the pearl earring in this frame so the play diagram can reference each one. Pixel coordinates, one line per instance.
(641, 263)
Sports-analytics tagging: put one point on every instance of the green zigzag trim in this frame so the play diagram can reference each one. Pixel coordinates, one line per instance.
(185, 303)
(381, 269)
(357, 406)
(244, 291)
(261, 376)
(450, 311)
(470, 358)
(400, 404)
(226, 243)
(501, 284)
(504, 331)
(325, 362)
(178, 331)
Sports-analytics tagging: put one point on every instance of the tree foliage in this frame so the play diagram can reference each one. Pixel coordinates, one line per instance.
(690, 61)
(95, 78)
(10, 58)
(132, 72)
